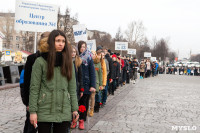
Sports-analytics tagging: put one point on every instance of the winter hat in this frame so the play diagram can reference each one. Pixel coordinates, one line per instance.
(114, 56)
(118, 54)
(109, 51)
(99, 48)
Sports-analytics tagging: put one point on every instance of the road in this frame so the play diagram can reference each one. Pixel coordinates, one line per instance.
(153, 105)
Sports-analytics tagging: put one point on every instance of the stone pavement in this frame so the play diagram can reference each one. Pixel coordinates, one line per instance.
(153, 105)
(12, 111)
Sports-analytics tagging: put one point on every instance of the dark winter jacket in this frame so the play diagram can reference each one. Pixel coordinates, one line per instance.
(116, 70)
(88, 72)
(27, 77)
(135, 64)
(107, 56)
(126, 65)
(79, 81)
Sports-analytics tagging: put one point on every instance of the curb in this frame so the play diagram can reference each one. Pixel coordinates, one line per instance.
(9, 86)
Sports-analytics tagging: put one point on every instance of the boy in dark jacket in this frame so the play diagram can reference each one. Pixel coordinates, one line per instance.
(115, 74)
(29, 128)
(135, 65)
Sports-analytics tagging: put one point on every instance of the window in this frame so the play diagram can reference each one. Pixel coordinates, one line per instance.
(4, 45)
(17, 38)
(30, 38)
(17, 45)
(24, 39)
(11, 38)
(61, 24)
(23, 46)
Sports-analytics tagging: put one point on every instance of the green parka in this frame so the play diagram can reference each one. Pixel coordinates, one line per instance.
(98, 74)
(54, 100)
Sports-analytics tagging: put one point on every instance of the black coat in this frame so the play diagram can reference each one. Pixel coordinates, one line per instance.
(116, 70)
(79, 80)
(27, 77)
(109, 59)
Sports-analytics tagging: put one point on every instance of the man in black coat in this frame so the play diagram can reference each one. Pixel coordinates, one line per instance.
(109, 78)
(29, 128)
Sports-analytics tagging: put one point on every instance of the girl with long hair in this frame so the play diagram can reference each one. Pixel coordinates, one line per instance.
(53, 97)
(88, 75)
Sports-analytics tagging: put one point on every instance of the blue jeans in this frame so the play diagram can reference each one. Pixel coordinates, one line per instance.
(104, 93)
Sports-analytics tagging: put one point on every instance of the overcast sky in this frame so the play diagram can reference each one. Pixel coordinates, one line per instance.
(178, 20)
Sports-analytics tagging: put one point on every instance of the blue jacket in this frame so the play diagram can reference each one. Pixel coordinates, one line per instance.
(21, 81)
(88, 73)
(156, 66)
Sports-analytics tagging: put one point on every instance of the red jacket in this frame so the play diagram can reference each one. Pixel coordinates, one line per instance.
(122, 62)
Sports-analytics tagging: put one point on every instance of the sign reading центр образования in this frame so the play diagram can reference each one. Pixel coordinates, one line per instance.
(35, 17)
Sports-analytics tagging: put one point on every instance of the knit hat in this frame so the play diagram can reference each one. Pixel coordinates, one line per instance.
(99, 48)
(109, 51)
(114, 55)
(118, 54)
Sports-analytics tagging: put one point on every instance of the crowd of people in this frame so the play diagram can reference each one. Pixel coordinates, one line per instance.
(63, 84)
(195, 71)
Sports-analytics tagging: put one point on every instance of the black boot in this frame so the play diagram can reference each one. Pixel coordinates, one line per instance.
(98, 106)
(95, 107)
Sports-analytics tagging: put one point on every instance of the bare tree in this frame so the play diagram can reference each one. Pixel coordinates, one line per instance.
(135, 33)
(195, 58)
(65, 23)
(160, 49)
(6, 26)
(27, 41)
(172, 56)
(119, 35)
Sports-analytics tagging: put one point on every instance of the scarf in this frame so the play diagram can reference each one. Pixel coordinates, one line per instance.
(85, 56)
(58, 61)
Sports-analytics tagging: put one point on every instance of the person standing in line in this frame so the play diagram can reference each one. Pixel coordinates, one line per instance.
(156, 69)
(135, 70)
(121, 62)
(131, 69)
(100, 53)
(98, 73)
(148, 64)
(89, 81)
(124, 70)
(109, 77)
(28, 127)
(108, 67)
(115, 74)
(79, 82)
(142, 69)
(128, 69)
(53, 98)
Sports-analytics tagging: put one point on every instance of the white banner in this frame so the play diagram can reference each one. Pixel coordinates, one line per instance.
(80, 33)
(35, 17)
(132, 51)
(153, 58)
(147, 54)
(121, 45)
(91, 45)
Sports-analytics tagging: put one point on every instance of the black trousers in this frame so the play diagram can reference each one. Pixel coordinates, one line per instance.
(128, 78)
(124, 75)
(46, 127)
(84, 100)
(28, 127)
